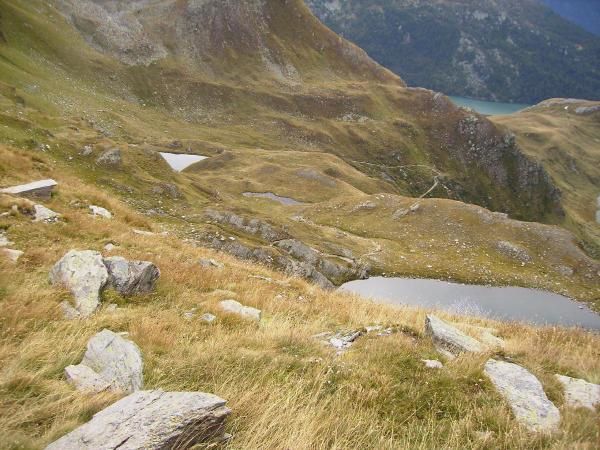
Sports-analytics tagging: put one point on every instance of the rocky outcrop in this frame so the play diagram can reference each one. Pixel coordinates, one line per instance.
(85, 275)
(246, 312)
(131, 277)
(525, 395)
(40, 189)
(151, 420)
(110, 362)
(513, 251)
(449, 339)
(580, 393)
(253, 226)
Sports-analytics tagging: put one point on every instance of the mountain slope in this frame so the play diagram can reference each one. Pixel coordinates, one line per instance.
(507, 50)
(585, 13)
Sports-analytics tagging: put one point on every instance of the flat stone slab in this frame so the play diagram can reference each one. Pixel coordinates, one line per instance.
(579, 393)
(234, 307)
(525, 395)
(449, 339)
(151, 420)
(41, 189)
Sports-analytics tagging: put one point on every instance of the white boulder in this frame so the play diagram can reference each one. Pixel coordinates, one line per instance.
(43, 214)
(433, 364)
(234, 307)
(580, 393)
(115, 361)
(151, 420)
(525, 395)
(85, 275)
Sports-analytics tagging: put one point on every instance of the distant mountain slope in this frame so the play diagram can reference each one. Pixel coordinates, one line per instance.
(506, 50)
(585, 13)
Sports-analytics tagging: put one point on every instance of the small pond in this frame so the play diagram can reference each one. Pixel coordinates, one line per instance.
(488, 108)
(501, 303)
(179, 161)
(283, 200)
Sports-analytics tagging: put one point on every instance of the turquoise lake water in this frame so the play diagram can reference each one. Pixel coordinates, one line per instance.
(488, 108)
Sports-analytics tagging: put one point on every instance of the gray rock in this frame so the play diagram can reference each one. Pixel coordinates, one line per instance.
(208, 318)
(113, 359)
(513, 251)
(40, 189)
(85, 275)
(131, 277)
(340, 341)
(69, 312)
(151, 420)
(110, 157)
(12, 255)
(204, 262)
(43, 214)
(98, 211)
(524, 394)
(4, 242)
(110, 247)
(433, 364)
(580, 393)
(234, 307)
(83, 378)
(86, 151)
(449, 339)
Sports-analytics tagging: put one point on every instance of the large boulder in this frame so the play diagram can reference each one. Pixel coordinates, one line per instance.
(525, 395)
(449, 339)
(580, 393)
(85, 275)
(110, 362)
(131, 277)
(234, 307)
(151, 420)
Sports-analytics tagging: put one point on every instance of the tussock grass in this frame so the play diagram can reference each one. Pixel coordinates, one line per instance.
(286, 389)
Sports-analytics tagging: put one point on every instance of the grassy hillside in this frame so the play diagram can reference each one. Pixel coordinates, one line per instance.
(509, 50)
(563, 135)
(285, 388)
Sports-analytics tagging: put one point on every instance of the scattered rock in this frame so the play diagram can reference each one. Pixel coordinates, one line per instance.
(341, 341)
(43, 214)
(12, 255)
(449, 339)
(4, 242)
(86, 151)
(113, 359)
(525, 395)
(85, 275)
(580, 393)
(101, 212)
(110, 157)
(234, 307)
(169, 189)
(84, 378)
(110, 247)
(208, 318)
(40, 189)
(210, 263)
(433, 364)
(152, 420)
(131, 277)
(565, 271)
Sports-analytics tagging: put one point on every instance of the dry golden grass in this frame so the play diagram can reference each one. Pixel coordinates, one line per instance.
(286, 390)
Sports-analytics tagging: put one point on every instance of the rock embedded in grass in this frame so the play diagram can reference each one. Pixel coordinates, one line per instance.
(449, 339)
(114, 360)
(152, 420)
(432, 364)
(98, 211)
(234, 307)
(85, 275)
(210, 263)
(579, 393)
(525, 395)
(43, 214)
(12, 255)
(111, 157)
(40, 189)
(131, 277)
